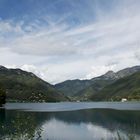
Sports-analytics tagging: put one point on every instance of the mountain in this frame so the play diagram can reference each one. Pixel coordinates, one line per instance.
(71, 87)
(120, 74)
(99, 83)
(83, 89)
(127, 87)
(25, 86)
(94, 88)
(75, 87)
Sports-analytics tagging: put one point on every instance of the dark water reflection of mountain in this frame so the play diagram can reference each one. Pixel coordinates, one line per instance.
(41, 124)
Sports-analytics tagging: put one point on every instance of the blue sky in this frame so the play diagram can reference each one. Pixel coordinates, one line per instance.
(76, 10)
(69, 39)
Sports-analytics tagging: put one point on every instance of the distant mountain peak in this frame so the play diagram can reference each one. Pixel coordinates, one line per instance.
(16, 71)
(109, 75)
(109, 72)
(2, 67)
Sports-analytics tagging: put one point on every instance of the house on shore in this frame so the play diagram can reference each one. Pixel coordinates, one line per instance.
(123, 100)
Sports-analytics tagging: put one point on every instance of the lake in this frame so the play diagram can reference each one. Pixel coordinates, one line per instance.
(70, 121)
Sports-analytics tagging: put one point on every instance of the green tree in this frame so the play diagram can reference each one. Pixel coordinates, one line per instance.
(2, 96)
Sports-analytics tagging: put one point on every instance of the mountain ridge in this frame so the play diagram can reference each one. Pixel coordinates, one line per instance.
(126, 87)
(26, 86)
(82, 89)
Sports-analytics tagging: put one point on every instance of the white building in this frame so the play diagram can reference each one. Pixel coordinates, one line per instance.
(124, 100)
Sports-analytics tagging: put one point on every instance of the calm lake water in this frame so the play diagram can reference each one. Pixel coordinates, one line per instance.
(70, 121)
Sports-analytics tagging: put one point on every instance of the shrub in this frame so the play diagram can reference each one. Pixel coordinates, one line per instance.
(2, 97)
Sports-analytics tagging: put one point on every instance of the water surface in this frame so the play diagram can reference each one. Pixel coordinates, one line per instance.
(70, 121)
(70, 106)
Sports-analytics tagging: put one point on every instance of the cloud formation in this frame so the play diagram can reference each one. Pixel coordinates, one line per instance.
(57, 50)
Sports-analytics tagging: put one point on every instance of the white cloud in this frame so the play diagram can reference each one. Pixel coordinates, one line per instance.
(99, 70)
(34, 69)
(72, 131)
(30, 68)
(59, 52)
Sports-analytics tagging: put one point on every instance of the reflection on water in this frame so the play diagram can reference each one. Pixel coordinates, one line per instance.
(18, 126)
(63, 130)
(91, 124)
